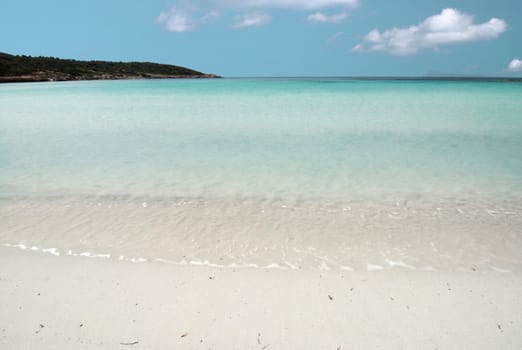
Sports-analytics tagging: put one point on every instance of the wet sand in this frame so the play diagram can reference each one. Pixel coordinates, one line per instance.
(421, 234)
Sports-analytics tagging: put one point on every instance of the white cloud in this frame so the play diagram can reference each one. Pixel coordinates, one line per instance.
(333, 39)
(176, 20)
(335, 36)
(320, 17)
(186, 15)
(251, 20)
(515, 65)
(295, 4)
(449, 27)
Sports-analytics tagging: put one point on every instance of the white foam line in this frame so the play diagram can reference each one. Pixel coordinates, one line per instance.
(324, 260)
(346, 268)
(124, 258)
(92, 255)
(324, 266)
(165, 261)
(287, 263)
(400, 264)
(371, 267)
(55, 251)
(221, 266)
(289, 266)
(20, 245)
(292, 266)
(52, 251)
(274, 266)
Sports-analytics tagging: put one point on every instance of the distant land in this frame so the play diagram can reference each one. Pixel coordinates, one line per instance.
(33, 69)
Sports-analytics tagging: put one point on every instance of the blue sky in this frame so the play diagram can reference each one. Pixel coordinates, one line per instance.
(276, 37)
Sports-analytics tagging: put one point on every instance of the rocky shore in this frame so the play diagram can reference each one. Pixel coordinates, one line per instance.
(57, 76)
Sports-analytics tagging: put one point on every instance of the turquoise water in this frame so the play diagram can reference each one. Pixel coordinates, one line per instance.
(282, 138)
(274, 173)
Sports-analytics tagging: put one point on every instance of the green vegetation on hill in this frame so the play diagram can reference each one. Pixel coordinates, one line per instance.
(27, 68)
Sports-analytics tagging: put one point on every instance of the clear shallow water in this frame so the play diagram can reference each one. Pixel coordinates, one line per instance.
(381, 147)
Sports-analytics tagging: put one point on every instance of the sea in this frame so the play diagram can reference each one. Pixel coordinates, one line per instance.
(284, 173)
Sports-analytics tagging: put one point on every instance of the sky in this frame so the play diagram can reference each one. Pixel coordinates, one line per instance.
(236, 38)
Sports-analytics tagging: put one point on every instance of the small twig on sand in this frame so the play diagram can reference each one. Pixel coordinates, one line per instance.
(40, 329)
(133, 343)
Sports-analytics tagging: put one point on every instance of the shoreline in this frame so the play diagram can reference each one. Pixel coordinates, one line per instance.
(463, 79)
(64, 302)
(41, 79)
(361, 236)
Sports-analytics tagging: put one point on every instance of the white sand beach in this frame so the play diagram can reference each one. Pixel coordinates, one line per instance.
(299, 213)
(50, 302)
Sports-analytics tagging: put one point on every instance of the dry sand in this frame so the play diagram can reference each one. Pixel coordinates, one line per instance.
(49, 302)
